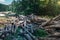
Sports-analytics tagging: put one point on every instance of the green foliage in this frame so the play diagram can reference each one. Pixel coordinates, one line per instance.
(25, 7)
(38, 7)
(3, 7)
(40, 33)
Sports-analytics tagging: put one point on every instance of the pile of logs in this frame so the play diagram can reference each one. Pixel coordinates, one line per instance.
(53, 27)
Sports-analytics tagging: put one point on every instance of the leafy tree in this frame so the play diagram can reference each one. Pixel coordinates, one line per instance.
(26, 7)
(48, 8)
(38, 7)
(3, 7)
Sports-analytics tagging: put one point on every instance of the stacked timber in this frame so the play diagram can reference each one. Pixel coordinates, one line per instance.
(38, 20)
(53, 27)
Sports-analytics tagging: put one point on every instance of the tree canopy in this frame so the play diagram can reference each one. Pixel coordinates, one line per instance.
(26, 7)
(38, 7)
(3, 7)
